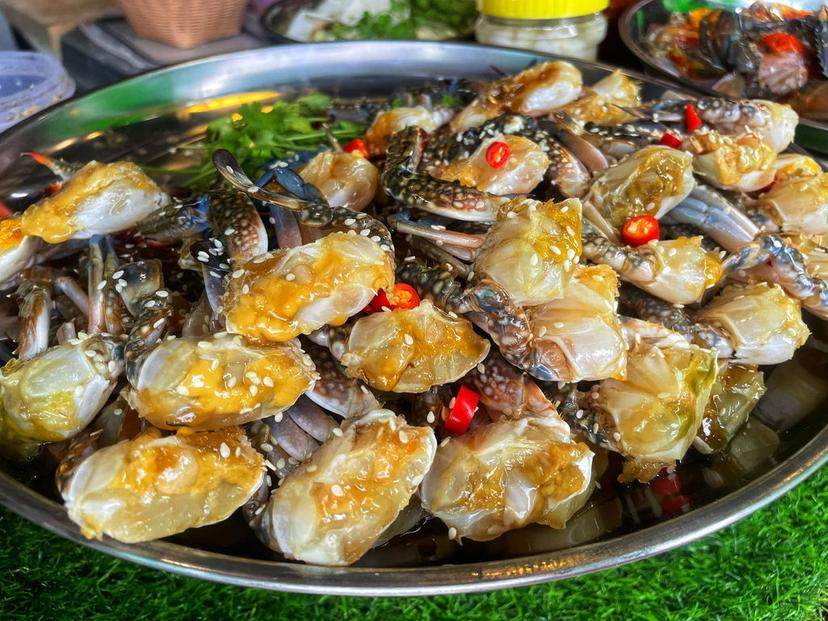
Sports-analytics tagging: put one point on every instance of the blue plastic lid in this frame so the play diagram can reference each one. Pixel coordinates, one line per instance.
(30, 82)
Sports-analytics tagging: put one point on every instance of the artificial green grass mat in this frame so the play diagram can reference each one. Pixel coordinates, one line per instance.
(772, 566)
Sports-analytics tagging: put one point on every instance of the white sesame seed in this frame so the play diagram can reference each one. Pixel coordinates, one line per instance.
(481, 369)
(238, 274)
(616, 436)
(409, 340)
(182, 390)
(253, 389)
(337, 432)
(281, 463)
(452, 533)
(312, 468)
(556, 250)
(122, 283)
(445, 442)
(246, 289)
(229, 231)
(336, 490)
(267, 381)
(376, 238)
(162, 294)
(101, 285)
(365, 232)
(224, 450)
(430, 418)
(290, 276)
(349, 221)
(403, 437)
(558, 324)
(159, 322)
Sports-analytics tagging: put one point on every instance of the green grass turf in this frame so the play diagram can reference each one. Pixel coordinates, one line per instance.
(773, 566)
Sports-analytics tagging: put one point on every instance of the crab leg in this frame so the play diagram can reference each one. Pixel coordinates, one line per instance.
(34, 322)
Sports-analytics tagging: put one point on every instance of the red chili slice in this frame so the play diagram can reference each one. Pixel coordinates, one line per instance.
(404, 296)
(676, 504)
(497, 154)
(783, 42)
(668, 140)
(462, 412)
(639, 230)
(357, 146)
(666, 485)
(692, 120)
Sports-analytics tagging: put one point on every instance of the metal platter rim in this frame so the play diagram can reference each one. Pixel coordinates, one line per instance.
(428, 579)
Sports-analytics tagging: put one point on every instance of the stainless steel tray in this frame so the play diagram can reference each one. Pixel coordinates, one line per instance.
(636, 23)
(144, 117)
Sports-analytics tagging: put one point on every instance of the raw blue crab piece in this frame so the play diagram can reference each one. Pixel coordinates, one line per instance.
(17, 250)
(55, 394)
(218, 381)
(335, 391)
(535, 91)
(742, 162)
(402, 181)
(506, 475)
(532, 249)
(235, 221)
(333, 508)
(679, 271)
(389, 122)
(736, 391)
(344, 179)
(650, 181)
(155, 486)
(98, 199)
(652, 416)
(411, 350)
(281, 294)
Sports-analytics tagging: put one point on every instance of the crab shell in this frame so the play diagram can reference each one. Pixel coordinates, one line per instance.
(506, 475)
(333, 508)
(284, 293)
(744, 163)
(412, 350)
(154, 486)
(684, 270)
(97, 200)
(219, 381)
(55, 395)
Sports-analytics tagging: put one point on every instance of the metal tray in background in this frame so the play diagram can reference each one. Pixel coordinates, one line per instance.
(641, 18)
(145, 117)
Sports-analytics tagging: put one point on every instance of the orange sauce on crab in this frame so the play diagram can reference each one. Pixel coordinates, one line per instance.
(371, 493)
(191, 466)
(11, 232)
(712, 269)
(263, 303)
(53, 218)
(216, 390)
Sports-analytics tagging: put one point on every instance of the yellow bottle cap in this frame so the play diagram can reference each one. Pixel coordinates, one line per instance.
(541, 9)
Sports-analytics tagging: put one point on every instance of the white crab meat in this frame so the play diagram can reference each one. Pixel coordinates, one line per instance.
(153, 486)
(683, 270)
(218, 381)
(742, 162)
(532, 249)
(798, 205)
(764, 323)
(285, 293)
(17, 251)
(99, 199)
(506, 475)
(411, 350)
(334, 507)
(345, 179)
(651, 417)
(520, 174)
(650, 181)
(56, 394)
(581, 330)
(535, 91)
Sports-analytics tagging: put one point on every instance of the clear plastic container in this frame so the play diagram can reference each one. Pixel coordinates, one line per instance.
(566, 27)
(30, 82)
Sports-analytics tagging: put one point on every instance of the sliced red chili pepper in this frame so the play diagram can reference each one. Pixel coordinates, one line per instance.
(692, 120)
(357, 146)
(783, 42)
(668, 140)
(497, 154)
(403, 296)
(639, 230)
(5, 212)
(462, 412)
